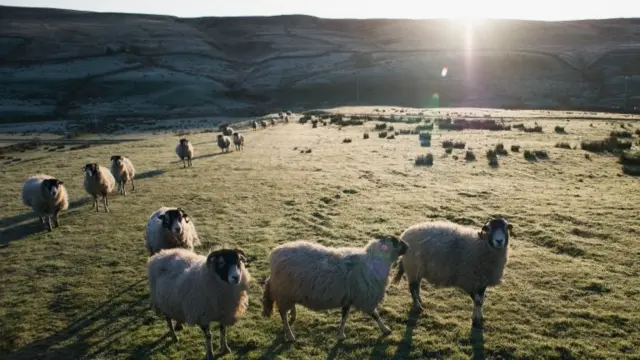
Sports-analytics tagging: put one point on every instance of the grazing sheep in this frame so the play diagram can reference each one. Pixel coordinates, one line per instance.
(226, 130)
(273, 122)
(238, 140)
(168, 228)
(254, 125)
(184, 150)
(286, 119)
(47, 196)
(98, 181)
(123, 171)
(452, 255)
(224, 143)
(198, 290)
(263, 124)
(320, 278)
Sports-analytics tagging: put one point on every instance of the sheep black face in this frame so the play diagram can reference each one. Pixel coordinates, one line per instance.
(497, 232)
(91, 169)
(227, 263)
(183, 141)
(393, 245)
(52, 186)
(174, 220)
(117, 159)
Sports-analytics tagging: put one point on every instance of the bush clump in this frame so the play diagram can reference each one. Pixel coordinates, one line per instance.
(425, 139)
(381, 126)
(365, 135)
(424, 160)
(621, 134)
(610, 144)
(515, 148)
(563, 145)
(500, 150)
(560, 129)
(470, 156)
(382, 134)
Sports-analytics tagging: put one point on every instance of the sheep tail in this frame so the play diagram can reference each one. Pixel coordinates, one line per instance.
(399, 273)
(267, 300)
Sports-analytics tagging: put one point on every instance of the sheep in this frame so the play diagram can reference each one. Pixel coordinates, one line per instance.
(238, 140)
(452, 255)
(197, 290)
(98, 181)
(263, 124)
(47, 196)
(123, 171)
(170, 227)
(223, 143)
(273, 122)
(254, 125)
(321, 278)
(184, 150)
(226, 130)
(286, 119)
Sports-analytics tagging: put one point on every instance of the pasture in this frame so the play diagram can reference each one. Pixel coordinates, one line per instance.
(571, 287)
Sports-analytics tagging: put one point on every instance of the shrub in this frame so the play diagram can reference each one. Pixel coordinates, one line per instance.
(365, 135)
(630, 158)
(518, 126)
(425, 139)
(536, 129)
(448, 150)
(541, 154)
(424, 127)
(470, 156)
(382, 134)
(406, 132)
(638, 132)
(515, 148)
(349, 122)
(610, 144)
(462, 124)
(424, 160)
(563, 145)
(381, 126)
(492, 156)
(560, 129)
(346, 140)
(529, 155)
(390, 128)
(455, 145)
(500, 150)
(391, 137)
(621, 134)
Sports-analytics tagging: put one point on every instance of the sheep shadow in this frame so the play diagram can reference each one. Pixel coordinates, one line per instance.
(203, 157)
(278, 345)
(15, 228)
(93, 334)
(149, 174)
(404, 348)
(476, 337)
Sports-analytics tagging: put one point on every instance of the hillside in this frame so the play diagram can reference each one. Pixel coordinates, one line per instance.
(70, 64)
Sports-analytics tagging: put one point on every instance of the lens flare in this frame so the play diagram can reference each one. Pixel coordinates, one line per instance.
(444, 72)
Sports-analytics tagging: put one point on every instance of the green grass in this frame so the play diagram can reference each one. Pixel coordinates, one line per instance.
(571, 287)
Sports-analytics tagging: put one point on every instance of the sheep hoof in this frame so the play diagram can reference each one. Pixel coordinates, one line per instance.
(417, 308)
(386, 332)
(225, 350)
(290, 338)
(341, 336)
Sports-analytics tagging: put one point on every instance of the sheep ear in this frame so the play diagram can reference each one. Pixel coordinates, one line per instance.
(243, 256)
(510, 228)
(60, 182)
(484, 231)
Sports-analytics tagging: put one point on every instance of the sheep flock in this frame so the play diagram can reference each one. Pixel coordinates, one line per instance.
(187, 288)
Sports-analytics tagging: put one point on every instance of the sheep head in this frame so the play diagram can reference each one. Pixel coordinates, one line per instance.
(52, 186)
(496, 232)
(228, 264)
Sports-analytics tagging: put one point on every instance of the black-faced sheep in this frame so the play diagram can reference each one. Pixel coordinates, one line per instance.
(263, 124)
(198, 290)
(98, 181)
(238, 140)
(170, 227)
(273, 122)
(254, 125)
(320, 278)
(224, 143)
(46, 196)
(185, 152)
(226, 130)
(452, 255)
(123, 171)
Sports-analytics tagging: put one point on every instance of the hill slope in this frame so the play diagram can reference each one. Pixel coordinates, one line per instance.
(70, 63)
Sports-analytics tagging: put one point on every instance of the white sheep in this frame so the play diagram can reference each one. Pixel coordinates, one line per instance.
(263, 124)
(197, 290)
(320, 278)
(238, 140)
(46, 196)
(98, 181)
(224, 143)
(123, 171)
(170, 227)
(185, 151)
(452, 255)
(254, 125)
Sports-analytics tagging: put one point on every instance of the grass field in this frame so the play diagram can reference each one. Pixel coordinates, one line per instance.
(571, 288)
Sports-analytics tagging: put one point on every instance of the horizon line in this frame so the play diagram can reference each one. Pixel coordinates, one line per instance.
(318, 17)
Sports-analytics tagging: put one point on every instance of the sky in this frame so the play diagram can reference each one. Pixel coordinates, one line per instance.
(547, 10)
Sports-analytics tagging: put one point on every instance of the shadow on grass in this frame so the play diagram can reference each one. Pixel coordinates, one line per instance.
(476, 336)
(278, 345)
(15, 229)
(404, 349)
(203, 156)
(149, 174)
(93, 334)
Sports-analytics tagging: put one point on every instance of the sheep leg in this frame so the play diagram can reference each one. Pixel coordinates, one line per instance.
(46, 222)
(385, 330)
(414, 288)
(124, 191)
(207, 340)
(343, 322)
(55, 218)
(171, 330)
(477, 319)
(133, 186)
(224, 347)
(179, 325)
(285, 324)
(292, 315)
(95, 204)
(105, 202)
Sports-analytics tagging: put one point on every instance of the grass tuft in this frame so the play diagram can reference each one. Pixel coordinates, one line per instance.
(424, 160)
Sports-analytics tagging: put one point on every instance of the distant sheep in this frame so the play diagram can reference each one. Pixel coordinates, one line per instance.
(273, 122)
(226, 130)
(321, 278)
(98, 181)
(198, 290)
(46, 196)
(452, 255)
(238, 140)
(168, 228)
(123, 171)
(185, 151)
(263, 124)
(224, 143)
(286, 119)
(254, 125)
